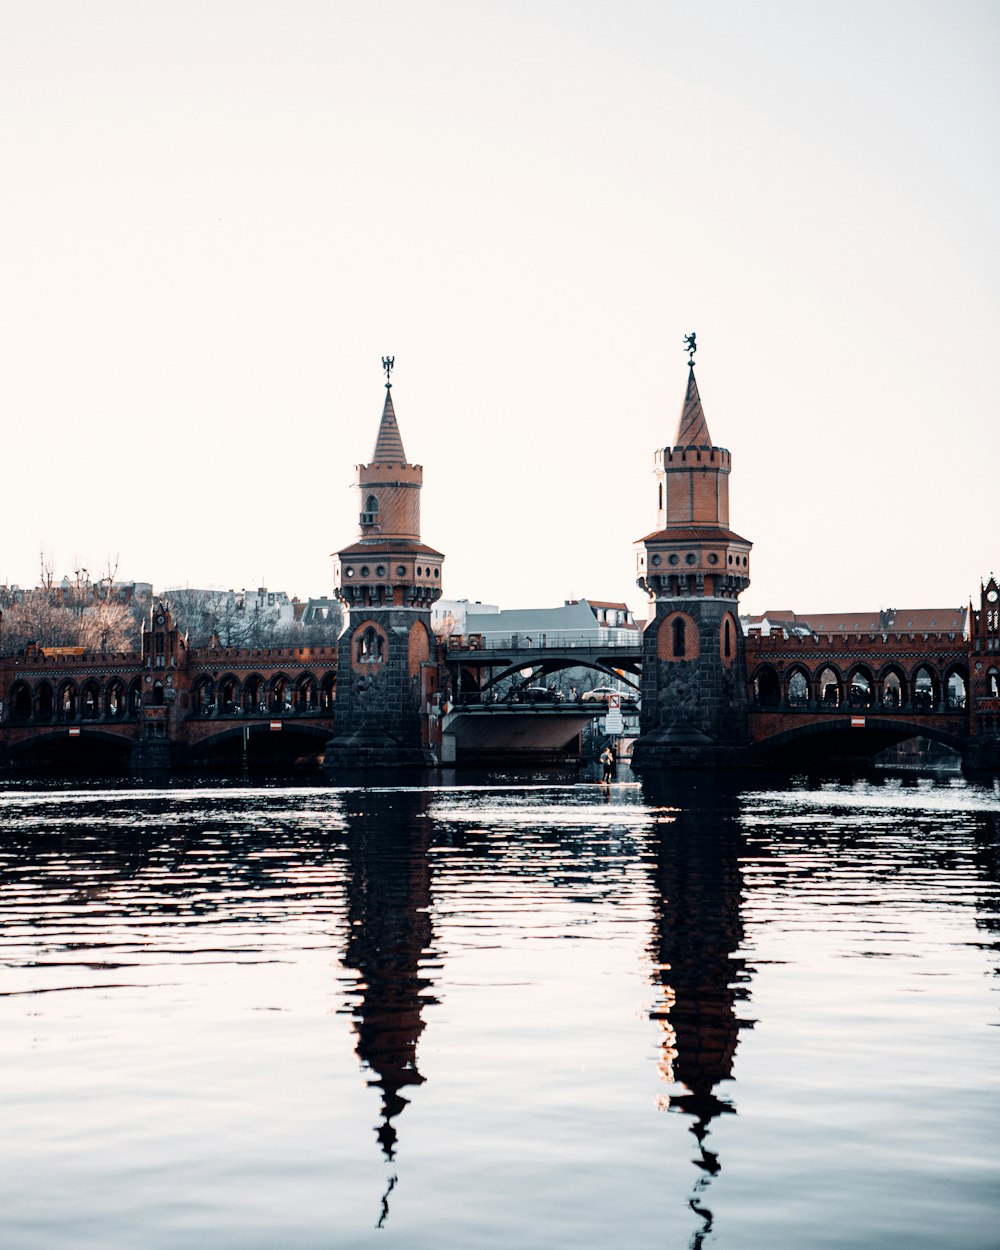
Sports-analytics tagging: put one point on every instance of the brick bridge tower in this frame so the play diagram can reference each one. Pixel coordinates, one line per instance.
(387, 669)
(693, 568)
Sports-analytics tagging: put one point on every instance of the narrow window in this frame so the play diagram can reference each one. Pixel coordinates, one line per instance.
(678, 640)
(727, 646)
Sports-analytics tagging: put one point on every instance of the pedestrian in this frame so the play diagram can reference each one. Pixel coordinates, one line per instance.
(608, 760)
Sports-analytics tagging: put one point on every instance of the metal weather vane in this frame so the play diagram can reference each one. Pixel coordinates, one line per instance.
(387, 364)
(692, 347)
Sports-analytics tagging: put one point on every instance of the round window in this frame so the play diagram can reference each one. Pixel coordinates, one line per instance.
(348, 572)
(380, 571)
(654, 560)
(400, 570)
(365, 570)
(419, 574)
(713, 558)
(690, 558)
(437, 572)
(674, 558)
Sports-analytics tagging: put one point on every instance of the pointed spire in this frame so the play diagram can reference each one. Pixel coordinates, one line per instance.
(692, 428)
(388, 445)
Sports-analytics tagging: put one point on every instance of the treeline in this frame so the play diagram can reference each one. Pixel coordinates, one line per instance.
(103, 616)
(78, 613)
(207, 615)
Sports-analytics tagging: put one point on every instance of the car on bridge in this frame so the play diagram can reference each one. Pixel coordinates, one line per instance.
(604, 694)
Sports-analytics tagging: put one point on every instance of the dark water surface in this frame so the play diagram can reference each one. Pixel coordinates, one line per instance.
(515, 1015)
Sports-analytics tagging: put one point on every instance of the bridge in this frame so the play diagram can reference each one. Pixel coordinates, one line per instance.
(846, 696)
(165, 705)
(524, 722)
(854, 695)
(834, 696)
(478, 662)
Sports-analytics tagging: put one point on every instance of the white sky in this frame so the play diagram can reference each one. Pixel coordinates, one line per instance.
(216, 217)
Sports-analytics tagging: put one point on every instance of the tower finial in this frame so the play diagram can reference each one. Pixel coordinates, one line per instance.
(387, 364)
(692, 347)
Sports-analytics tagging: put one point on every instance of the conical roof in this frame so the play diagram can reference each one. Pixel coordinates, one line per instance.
(388, 445)
(692, 428)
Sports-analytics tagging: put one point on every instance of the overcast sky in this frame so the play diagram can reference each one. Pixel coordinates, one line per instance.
(216, 217)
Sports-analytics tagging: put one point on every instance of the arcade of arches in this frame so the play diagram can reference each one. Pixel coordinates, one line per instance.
(924, 688)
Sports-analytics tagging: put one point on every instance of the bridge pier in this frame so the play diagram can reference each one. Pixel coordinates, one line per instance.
(982, 754)
(160, 755)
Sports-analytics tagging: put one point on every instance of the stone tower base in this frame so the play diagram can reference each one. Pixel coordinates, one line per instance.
(372, 748)
(694, 703)
(671, 748)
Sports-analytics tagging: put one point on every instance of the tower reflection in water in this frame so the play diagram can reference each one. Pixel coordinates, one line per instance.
(389, 944)
(697, 896)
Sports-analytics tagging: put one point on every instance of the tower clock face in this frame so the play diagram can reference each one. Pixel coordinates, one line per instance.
(992, 596)
(159, 620)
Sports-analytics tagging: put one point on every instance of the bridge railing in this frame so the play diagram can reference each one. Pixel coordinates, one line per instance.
(535, 697)
(922, 703)
(590, 640)
(260, 711)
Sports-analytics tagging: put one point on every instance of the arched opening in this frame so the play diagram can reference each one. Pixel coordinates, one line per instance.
(45, 702)
(67, 701)
(134, 698)
(727, 638)
(767, 687)
(203, 697)
(90, 701)
(253, 695)
(306, 692)
(860, 687)
(115, 700)
(829, 688)
(159, 694)
(370, 646)
(280, 702)
(20, 701)
(327, 692)
(925, 689)
(892, 689)
(370, 514)
(956, 695)
(677, 639)
(229, 695)
(992, 683)
(798, 689)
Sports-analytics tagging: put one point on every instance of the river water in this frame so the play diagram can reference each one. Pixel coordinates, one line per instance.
(523, 1013)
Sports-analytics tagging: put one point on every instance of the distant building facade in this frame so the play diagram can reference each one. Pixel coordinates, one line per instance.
(580, 620)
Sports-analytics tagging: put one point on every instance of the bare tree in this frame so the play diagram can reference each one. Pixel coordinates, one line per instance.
(77, 613)
(207, 614)
(445, 627)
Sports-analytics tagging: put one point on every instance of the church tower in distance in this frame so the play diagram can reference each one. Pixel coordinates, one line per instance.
(387, 580)
(693, 568)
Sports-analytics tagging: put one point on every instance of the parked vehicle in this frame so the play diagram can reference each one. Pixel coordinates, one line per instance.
(603, 694)
(536, 694)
